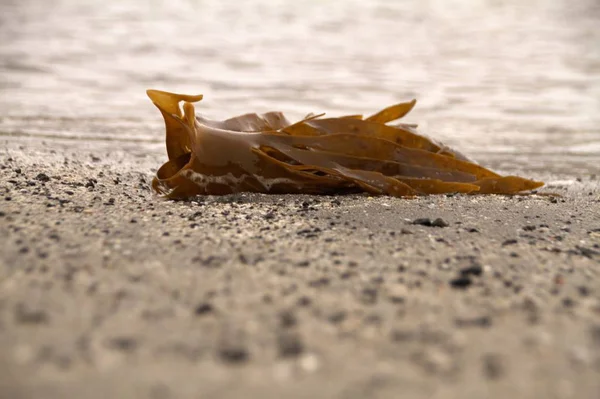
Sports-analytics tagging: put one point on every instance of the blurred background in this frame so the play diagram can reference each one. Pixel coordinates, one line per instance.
(514, 84)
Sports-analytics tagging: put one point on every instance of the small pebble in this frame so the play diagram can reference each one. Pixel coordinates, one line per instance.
(290, 345)
(461, 282)
(203, 309)
(493, 366)
(42, 177)
(234, 354)
(439, 222)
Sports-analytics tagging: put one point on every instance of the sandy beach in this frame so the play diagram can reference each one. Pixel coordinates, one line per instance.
(109, 291)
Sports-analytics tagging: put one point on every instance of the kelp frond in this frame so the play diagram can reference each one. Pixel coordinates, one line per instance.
(267, 153)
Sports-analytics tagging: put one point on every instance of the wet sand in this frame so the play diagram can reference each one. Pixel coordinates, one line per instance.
(109, 291)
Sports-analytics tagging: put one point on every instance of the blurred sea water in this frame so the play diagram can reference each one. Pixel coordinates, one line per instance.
(514, 84)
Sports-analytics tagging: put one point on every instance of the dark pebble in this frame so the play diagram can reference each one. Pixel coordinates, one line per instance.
(368, 296)
(587, 252)
(397, 299)
(529, 227)
(511, 241)
(233, 354)
(194, 216)
(422, 221)
(337, 317)
(439, 222)
(347, 274)
(125, 344)
(402, 335)
(304, 301)
(204, 309)
(483, 321)
(493, 366)
(270, 215)
(267, 298)
(373, 319)
(583, 290)
(30, 316)
(377, 280)
(287, 319)
(321, 282)
(309, 233)
(473, 270)
(290, 345)
(42, 177)
(568, 302)
(461, 282)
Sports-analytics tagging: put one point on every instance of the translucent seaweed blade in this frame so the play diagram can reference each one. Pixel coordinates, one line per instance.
(301, 128)
(359, 127)
(371, 147)
(507, 185)
(434, 186)
(394, 169)
(378, 182)
(169, 102)
(392, 113)
(270, 121)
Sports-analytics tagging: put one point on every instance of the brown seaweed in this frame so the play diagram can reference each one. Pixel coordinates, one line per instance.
(266, 153)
